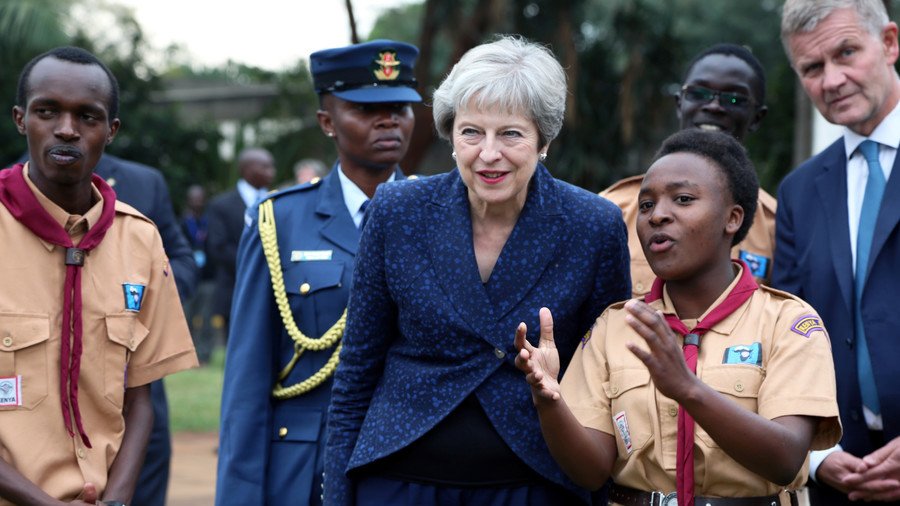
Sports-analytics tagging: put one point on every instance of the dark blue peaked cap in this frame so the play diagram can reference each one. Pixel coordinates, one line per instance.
(375, 71)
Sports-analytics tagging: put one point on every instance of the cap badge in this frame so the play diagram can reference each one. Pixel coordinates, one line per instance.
(386, 62)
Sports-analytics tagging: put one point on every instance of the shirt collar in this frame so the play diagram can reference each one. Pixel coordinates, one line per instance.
(885, 133)
(353, 195)
(250, 194)
(75, 225)
(725, 326)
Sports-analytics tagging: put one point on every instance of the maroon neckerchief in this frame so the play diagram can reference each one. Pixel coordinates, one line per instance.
(684, 455)
(24, 206)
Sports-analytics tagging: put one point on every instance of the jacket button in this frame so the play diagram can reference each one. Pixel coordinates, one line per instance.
(304, 289)
(282, 432)
(7, 341)
(739, 387)
(499, 353)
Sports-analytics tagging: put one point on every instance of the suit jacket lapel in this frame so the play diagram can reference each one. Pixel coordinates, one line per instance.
(338, 227)
(832, 187)
(531, 247)
(888, 215)
(453, 255)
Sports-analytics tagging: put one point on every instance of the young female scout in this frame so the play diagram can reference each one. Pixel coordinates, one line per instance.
(732, 414)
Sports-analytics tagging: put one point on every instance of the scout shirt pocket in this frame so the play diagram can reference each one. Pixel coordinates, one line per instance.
(629, 396)
(124, 334)
(739, 383)
(24, 349)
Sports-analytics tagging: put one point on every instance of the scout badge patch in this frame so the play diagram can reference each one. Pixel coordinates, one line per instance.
(750, 354)
(759, 265)
(134, 295)
(11, 391)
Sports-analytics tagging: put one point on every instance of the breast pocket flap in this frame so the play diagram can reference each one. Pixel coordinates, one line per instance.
(624, 380)
(126, 329)
(18, 332)
(309, 277)
(302, 424)
(735, 380)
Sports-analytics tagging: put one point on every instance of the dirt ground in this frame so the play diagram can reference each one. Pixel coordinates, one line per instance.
(192, 480)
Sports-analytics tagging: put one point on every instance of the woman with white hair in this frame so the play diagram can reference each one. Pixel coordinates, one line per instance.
(427, 406)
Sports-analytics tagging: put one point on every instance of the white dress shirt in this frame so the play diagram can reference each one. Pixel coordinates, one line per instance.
(354, 197)
(249, 194)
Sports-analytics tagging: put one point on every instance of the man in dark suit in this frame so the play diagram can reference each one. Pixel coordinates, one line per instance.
(226, 221)
(144, 188)
(837, 234)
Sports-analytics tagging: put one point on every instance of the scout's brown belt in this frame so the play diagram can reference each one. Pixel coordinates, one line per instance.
(627, 496)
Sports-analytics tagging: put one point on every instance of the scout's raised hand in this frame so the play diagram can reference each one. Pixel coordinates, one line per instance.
(541, 364)
(664, 360)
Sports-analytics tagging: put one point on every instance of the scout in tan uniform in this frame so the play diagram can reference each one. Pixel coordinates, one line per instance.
(89, 313)
(731, 379)
(724, 90)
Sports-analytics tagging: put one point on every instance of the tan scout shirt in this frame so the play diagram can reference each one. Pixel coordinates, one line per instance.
(757, 248)
(771, 356)
(122, 348)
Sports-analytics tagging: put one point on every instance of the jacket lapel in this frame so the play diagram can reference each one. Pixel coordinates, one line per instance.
(888, 215)
(453, 255)
(531, 247)
(338, 226)
(832, 187)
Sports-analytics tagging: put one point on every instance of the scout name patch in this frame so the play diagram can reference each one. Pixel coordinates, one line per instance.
(11, 391)
(134, 295)
(750, 354)
(622, 426)
(807, 324)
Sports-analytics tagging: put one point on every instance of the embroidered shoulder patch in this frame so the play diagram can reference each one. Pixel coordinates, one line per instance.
(807, 324)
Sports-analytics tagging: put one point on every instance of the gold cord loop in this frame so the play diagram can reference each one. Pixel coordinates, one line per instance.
(302, 343)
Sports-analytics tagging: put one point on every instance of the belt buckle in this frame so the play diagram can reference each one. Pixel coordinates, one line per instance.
(661, 499)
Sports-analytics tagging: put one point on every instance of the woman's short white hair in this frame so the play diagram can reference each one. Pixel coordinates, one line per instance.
(511, 74)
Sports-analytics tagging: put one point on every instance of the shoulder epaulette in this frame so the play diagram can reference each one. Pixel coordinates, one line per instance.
(274, 194)
(622, 183)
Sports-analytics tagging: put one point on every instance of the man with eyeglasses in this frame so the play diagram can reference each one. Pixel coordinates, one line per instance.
(724, 91)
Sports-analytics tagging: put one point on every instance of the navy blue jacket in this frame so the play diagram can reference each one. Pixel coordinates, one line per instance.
(813, 261)
(424, 333)
(259, 463)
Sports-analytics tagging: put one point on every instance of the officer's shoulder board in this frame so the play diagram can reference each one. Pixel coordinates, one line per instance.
(250, 217)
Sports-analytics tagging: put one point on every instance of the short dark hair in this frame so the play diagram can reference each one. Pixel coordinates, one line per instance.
(742, 52)
(731, 158)
(73, 55)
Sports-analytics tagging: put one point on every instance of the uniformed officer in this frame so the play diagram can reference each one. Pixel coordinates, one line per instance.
(89, 312)
(294, 272)
(712, 385)
(724, 90)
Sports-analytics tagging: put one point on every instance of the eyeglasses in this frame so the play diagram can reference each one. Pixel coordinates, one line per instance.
(727, 99)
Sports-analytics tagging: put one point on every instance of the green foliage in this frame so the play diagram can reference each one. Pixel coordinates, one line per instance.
(195, 396)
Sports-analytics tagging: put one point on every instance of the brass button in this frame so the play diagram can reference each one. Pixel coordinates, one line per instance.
(499, 353)
(739, 386)
(614, 389)
(673, 411)
(304, 288)
(315, 180)
(7, 341)
(282, 432)
(81, 453)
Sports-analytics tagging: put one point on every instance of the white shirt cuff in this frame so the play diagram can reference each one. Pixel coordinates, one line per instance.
(816, 458)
